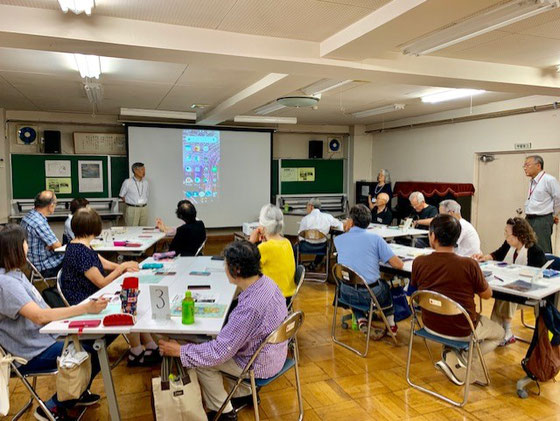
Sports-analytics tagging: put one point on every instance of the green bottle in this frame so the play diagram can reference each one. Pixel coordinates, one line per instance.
(188, 309)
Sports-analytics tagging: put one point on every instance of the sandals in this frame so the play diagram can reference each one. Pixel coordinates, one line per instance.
(375, 333)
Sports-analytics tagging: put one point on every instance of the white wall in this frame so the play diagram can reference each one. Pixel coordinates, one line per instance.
(296, 145)
(4, 157)
(446, 153)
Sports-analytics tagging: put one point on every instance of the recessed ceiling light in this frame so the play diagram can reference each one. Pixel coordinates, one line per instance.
(299, 101)
(451, 94)
(77, 6)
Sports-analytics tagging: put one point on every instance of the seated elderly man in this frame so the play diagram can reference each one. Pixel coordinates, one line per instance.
(362, 251)
(40, 237)
(422, 212)
(381, 211)
(260, 310)
(316, 220)
(468, 243)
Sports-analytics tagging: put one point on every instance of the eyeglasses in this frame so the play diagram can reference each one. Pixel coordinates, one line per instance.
(526, 164)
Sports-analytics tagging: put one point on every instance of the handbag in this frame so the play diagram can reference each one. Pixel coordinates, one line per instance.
(5, 369)
(74, 370)
(400, 303)
(177, 397)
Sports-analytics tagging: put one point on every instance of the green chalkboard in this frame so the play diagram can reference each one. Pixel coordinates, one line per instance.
(329, 176)
(119, 173)
(28, 174)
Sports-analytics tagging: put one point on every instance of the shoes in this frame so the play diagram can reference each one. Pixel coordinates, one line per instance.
(88, 399)
(135, 360)
(445, 369)
(228, 416)
(243, 402)
(152, 357)
(456, 365)
(508, 341)
(394, 329)
(59, 414)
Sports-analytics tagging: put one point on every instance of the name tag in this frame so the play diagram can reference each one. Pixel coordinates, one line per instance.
(141, 201)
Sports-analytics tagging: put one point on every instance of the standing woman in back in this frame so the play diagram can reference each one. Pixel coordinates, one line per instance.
(383, 186)
(277, 255)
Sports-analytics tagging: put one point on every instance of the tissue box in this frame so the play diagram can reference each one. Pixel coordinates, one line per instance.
(249, 227)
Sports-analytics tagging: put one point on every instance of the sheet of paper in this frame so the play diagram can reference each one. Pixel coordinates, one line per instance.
(150, 279)
(204, 311)
(288, 174)
(113, 308)
(58, 168)
(90, 176)
(59, 185)
(306, 174)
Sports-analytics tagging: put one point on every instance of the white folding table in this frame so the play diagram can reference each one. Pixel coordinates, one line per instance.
(392, 232)
(177, 285)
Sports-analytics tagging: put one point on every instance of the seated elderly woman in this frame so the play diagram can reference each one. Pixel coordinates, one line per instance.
(187, 238)
(520, 248)
(23, 312)
(277, 255)
(260, 310)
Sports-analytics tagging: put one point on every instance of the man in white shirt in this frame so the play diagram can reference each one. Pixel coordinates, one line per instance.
(316, 220)
(468, 243)
(134, 193)
(543, 201)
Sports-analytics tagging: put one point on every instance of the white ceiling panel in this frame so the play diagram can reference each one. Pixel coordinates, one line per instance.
(10, 97)
(122, 70)
(180, 98)
(210, 76)
(32, 61)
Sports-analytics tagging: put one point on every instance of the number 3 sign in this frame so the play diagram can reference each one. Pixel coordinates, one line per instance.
(159, 299)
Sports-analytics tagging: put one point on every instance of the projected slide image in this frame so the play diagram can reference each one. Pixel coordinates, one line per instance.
(201, 164)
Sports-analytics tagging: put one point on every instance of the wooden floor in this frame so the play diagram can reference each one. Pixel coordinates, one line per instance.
(338, 385)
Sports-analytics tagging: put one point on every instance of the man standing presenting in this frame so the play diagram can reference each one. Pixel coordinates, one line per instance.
(134, 193)
(543, 201)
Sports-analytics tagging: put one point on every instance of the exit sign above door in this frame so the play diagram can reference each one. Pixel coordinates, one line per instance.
(519, 146)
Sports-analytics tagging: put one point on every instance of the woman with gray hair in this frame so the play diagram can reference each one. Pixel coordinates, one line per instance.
(383, 186)
(277, 256)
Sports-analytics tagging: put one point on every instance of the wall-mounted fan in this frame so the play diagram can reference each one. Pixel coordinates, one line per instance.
(26, 135)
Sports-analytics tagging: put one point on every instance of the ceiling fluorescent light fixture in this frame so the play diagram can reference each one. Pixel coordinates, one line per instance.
(88, 66)
(451, 94)
(299, 101)
(490, 20)
(77, 6)
(94, 92)
(171, 115)
(269, 108)
(264, 119)
(380, 110)
(324, 85)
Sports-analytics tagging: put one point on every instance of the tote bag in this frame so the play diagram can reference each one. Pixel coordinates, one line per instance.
(5, 369)
(74, 370)
(177, 396)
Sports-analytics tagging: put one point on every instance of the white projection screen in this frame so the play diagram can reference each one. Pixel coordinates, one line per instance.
(226, 173)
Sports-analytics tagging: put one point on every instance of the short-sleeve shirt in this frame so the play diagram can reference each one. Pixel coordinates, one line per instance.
(279, 264)
(18, 335)
(384, 217)
(426, 213)
(78, 259)
(39, 236)
(135, 192)
(456, 277)
(188, 238)
(362, 250)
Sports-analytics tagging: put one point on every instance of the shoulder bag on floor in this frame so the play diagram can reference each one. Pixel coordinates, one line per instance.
(177, 396)
(74, 370)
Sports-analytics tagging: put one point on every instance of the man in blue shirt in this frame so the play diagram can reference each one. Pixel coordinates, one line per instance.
(361, 251)
(40, 237)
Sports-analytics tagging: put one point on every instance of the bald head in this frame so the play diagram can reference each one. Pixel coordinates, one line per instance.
(45, 202)
(382, 199)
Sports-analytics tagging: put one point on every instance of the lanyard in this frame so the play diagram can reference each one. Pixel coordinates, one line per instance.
(533, 187)
(138, 189)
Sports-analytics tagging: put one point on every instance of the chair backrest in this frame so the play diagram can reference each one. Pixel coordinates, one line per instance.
(312, 234)
(555, 261)
(438, 303)
(199, 251)
(35, 274)
(345, 275)
(59, 288)
(298, 279)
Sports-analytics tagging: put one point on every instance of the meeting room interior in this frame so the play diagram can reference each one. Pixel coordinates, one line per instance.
(279, 210)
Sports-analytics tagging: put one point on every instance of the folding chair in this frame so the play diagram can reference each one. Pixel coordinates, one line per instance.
(314, 235)
(298, 278)
(36, 275)
(31, 387)
(200, 249)
(440, 304)
(59, 289)
(344, 275)
(285, 332)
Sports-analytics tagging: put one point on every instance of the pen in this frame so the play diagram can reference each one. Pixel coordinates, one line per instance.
(499, 279)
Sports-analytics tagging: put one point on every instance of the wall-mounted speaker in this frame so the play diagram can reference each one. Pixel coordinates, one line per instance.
(315, 149)
(52, 141)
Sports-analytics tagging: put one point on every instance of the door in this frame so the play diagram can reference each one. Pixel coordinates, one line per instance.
(502, 188)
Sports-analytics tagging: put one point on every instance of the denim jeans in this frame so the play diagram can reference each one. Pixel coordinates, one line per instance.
(360, 297)
(311, 248)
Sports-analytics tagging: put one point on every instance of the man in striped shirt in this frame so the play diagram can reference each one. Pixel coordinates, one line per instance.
(260, 310)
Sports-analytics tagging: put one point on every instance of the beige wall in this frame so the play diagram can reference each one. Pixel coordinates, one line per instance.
(296, 145)
(4, 157)
(360, 163)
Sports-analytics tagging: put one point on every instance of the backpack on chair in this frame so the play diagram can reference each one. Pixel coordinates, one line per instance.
(542, 362)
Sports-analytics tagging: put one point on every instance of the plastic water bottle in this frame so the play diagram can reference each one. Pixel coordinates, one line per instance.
(354, 322)
(188, 309)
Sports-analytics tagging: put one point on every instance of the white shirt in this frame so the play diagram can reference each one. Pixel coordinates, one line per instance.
(68, 228)
(321, 221)
(469, 241)
(135, 192)
(543, 196)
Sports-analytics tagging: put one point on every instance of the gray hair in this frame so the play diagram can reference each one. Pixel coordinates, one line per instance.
(387, 175)
(137, 165)
(538, 160)
(315, 202)
(272, 219)
(418, 196)
(451, 206)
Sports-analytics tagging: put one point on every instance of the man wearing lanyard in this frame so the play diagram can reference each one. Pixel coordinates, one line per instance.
(543, 201)
(134, 193)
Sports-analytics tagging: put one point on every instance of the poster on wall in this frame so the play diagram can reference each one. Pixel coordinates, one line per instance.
(289, 174)
(59, 185)
(306, 174)
(58, 168)
(90, 176)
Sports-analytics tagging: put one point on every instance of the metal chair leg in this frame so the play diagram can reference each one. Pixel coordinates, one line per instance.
(34, 396)
(333, 329)
(255, 398)
(298, 383)
(524, 323)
